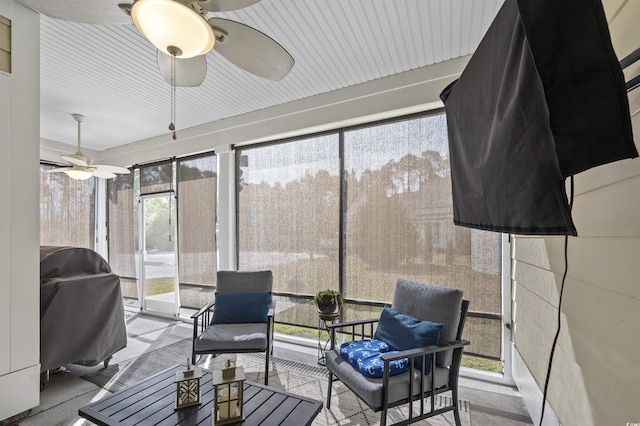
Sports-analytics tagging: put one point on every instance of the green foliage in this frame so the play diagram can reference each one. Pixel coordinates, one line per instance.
(158, 286)
(483, 364)
(319, 295)
(158, 224)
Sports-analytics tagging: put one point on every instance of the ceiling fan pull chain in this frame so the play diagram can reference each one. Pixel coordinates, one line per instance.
(172, 126)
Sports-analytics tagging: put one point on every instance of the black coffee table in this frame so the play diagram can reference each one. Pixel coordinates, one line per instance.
(151, 402)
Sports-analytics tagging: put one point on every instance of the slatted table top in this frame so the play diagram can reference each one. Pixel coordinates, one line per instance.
(151, 402)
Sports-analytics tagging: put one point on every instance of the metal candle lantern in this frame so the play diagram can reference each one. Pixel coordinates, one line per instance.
(228, 393)
(188, 386)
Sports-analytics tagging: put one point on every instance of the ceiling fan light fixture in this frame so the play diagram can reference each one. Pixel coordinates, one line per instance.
(173, 27)
(78, 174)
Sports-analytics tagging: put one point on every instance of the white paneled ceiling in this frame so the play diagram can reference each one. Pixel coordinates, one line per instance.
(109, 74)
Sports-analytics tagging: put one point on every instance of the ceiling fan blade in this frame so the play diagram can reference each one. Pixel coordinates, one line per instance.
(190, 72)
(76, 160)
(58, 170)
(103, 174)
(225, 5)
(86, 11)
(250, 49)
(111, 169)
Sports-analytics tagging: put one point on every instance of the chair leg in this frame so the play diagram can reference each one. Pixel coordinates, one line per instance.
(266, 367)
(456, 408)
(329, 391)
(383, 416)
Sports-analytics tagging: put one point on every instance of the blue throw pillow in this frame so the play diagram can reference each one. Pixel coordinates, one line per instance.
(402, 331)
(233, 308)
(373, 366)
(358, 350)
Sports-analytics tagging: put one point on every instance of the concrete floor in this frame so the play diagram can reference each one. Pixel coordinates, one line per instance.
(491, 404)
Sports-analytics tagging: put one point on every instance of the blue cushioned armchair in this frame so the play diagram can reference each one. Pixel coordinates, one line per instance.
(425, 302)
(243, 320)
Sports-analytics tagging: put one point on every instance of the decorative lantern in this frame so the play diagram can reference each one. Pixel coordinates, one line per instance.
(228, 386)
(188, 386)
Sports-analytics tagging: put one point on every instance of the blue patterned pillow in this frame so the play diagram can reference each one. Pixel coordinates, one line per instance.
(361, 349)
(373, 366)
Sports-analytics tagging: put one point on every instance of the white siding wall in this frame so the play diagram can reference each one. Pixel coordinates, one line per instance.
(596, 368)
(19, 186)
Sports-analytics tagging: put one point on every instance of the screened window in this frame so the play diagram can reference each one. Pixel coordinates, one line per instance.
(288, 218)
(355, 211)
(67, 210)
(122, 230)
(399, 223)
(157, 177)
(196, 180)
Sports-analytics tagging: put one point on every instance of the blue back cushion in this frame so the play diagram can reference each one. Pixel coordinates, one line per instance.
(234, 308)
(402, 331)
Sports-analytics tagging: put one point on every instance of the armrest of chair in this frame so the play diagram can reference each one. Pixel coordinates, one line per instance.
(203, 310)
(205, 313)
(352, 325)
(422, 352)
(272, 309)
(426, 350)
(271, 324)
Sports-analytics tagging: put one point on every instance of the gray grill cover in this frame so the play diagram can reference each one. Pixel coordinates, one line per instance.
(542, 98)
(81, 309)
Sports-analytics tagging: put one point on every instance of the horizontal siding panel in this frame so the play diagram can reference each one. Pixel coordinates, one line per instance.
(607, 174)
(568, 391)
(533, 311)
(610, 317)
(533, 348)
(623, 25)
(540, 251)
(594, 217)
(605, 365)
(610, 263)
(541, 282)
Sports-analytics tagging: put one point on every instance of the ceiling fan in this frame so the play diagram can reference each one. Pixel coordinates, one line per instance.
(81, 167)
(179, 29)
(182, 34)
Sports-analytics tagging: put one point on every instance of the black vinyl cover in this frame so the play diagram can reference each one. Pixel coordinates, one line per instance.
(81, 309)
(542, 98)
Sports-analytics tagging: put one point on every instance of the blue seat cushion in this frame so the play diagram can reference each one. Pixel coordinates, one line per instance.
(358, 350)
(238, 308)
(402, 332)
(364, 356)
(373, 366)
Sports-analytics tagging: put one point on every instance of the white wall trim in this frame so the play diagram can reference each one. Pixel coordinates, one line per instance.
(531, 393)
(507, 353)
(15, 398)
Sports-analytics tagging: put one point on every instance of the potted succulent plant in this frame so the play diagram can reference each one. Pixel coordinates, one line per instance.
(328, 302)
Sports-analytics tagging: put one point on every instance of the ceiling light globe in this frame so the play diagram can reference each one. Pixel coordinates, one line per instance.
(167, 23)
(78, 174)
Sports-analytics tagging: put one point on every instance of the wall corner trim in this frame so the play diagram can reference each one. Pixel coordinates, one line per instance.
(531, 393)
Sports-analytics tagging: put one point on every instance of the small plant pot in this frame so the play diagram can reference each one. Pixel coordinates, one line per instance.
(329, 305)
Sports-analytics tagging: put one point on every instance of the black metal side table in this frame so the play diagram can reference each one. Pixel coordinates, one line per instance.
(323, 345)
